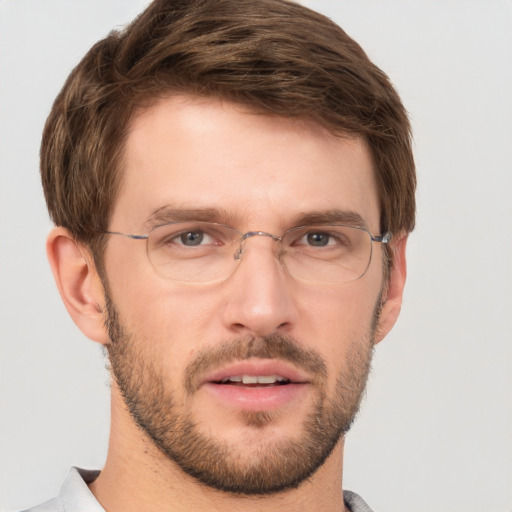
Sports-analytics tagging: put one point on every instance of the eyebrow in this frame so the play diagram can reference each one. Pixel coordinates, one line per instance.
(172, 213)
(335, 216)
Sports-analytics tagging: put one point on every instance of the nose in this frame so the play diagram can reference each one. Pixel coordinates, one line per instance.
(260, 294)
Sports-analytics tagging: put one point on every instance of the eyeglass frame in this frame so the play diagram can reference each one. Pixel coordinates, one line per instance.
(383, 239)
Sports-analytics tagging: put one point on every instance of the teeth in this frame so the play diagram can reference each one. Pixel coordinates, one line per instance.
(267, 379)
(255, 379)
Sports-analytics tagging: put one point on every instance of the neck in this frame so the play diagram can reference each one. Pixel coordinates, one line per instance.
(137, 477)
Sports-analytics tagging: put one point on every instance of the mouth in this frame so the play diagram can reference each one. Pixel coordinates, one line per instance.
(256, 385)
(255, 380)
(257, 373)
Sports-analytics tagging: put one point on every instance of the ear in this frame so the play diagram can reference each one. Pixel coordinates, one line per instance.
(393, 291)
(78, 282)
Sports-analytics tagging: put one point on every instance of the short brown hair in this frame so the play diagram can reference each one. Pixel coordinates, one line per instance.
(275, 56)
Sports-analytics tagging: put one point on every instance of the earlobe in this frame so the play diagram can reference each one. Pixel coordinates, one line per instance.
(78, 282)
(393, 291)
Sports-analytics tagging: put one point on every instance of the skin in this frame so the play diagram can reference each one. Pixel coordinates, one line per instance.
(264, 172)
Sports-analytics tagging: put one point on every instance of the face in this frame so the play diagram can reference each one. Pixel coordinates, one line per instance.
(247, 384)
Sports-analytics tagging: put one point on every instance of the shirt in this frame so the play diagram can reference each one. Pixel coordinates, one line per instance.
(75, 496)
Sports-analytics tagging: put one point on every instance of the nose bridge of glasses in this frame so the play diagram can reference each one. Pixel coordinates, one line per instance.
(251, 234)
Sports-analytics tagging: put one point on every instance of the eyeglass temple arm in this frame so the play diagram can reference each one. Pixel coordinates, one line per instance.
(128, 235)
(384, 239)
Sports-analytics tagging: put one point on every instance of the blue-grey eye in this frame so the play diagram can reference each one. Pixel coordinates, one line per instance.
(191, 238)
(318, 239)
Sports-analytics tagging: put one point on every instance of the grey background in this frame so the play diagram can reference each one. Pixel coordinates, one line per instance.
(435, 433)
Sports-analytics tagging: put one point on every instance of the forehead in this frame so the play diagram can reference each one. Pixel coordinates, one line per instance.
(202, 153)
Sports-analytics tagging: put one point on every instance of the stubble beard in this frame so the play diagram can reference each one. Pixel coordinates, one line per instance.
(275, 466)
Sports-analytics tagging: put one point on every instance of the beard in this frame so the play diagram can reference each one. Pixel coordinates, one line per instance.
(251, 469)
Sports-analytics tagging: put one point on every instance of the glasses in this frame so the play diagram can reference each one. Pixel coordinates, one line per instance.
(203, 252)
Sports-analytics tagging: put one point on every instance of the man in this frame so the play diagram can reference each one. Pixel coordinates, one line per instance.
(232, 185)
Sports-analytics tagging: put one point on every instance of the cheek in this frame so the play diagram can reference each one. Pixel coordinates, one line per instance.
(147, 302)
(168, 321)
(335, 320)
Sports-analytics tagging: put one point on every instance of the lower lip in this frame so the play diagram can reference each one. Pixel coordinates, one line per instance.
(257, 398)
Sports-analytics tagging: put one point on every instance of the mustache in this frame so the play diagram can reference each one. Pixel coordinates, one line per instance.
(274, 346)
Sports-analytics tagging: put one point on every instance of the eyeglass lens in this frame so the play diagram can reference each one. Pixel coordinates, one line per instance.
(204, 252)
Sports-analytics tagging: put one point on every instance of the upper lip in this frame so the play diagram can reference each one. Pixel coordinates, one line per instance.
(258, 367)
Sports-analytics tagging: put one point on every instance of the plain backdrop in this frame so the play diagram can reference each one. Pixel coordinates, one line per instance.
(435, 432)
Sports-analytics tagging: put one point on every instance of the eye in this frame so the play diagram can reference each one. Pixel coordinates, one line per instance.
(318, 239)
(193, 238)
